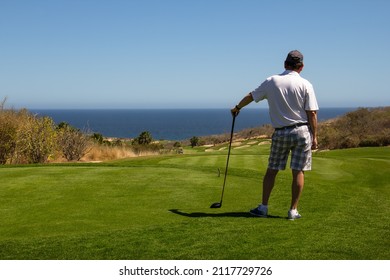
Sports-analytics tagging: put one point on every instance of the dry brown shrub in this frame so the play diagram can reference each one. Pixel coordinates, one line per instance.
(99, 153)
(104, 153)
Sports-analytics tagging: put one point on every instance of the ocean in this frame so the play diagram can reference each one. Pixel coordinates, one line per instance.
(167, 124)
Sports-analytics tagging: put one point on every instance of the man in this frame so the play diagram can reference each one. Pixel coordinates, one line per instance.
(293, 110)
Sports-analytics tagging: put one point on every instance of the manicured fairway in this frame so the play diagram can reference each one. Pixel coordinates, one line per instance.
(158, 208)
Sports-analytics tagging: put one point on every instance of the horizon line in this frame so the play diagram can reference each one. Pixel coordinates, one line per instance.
(192, 108)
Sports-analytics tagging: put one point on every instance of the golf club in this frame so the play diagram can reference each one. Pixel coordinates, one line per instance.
(219, 204)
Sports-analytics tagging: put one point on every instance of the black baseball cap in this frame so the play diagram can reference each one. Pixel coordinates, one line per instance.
(294, 57)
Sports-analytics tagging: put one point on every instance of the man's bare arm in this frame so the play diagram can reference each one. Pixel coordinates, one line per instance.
(312, 117)
(245, 101)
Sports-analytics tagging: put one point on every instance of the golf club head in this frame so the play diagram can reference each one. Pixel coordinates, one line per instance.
(216, 205)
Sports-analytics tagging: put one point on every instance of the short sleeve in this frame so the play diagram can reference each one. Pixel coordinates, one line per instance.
(310, 100)
(260, 93)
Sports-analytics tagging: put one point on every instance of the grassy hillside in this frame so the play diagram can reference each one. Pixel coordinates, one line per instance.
(365, 127)
(158, 208)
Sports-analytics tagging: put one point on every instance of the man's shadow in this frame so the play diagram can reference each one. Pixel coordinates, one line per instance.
(225, 214)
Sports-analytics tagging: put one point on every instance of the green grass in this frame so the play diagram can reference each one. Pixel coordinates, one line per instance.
(158, 208)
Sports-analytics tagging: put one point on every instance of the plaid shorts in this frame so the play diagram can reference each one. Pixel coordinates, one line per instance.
(298, 141)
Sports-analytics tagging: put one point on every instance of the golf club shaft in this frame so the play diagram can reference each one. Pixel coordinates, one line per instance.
(228, 156)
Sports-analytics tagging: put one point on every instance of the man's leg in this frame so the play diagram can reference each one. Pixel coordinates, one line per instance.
(268, 184)
(297, 187)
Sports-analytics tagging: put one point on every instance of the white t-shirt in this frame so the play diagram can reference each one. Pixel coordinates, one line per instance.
(289, 96)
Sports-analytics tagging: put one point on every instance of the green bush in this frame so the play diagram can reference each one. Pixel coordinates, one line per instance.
(145, 138)
(194, 141)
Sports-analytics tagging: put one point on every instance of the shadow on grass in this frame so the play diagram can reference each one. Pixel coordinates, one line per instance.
(226, 214)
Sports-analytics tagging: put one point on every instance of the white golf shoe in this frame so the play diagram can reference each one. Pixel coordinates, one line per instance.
(293, 214)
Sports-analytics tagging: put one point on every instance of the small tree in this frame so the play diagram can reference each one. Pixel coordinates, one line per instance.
(73, 143)
(145, 138)
(194, 141)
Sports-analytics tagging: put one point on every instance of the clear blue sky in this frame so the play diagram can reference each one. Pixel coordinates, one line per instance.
(188, 54)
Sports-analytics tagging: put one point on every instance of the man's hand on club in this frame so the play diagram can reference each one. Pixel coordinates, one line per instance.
(235, 111)
(245, 101)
